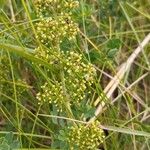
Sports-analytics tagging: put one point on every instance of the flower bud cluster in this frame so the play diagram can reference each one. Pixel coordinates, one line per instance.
(52, 93)
(85, 137)
(78, 77)
(74, 75)
(56, 24)
(45, 8)
(52, 29)
(50, 55)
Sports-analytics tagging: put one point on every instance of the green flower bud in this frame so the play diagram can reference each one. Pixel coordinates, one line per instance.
(85, 137)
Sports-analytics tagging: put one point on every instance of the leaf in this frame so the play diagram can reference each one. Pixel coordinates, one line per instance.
(114, 43)
(55, 144)
(15, 145)
(4, 146)
(94, 56)
(1, 140)
(62, 132)
(112, 53)
(85, 10)
(90, 112)
(86, 109)
(126, 131)
(55, 113)
(24, 52)
(9, 138)
(112, 48)
(62, 123)
(7, 142)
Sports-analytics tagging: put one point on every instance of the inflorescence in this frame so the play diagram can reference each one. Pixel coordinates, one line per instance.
(52, 29)
(75, 75)
(85, 137)
(78, 77)
(46, 8)
(55, 24)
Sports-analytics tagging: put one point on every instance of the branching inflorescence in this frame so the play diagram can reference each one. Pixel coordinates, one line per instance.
(56, 21)
(76, 75)
(85, 137)
(55, 24)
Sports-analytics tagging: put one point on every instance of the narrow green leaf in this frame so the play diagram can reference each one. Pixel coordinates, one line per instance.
(127, 131)
(24, 52)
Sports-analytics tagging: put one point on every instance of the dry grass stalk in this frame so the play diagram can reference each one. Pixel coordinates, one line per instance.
(113, 84)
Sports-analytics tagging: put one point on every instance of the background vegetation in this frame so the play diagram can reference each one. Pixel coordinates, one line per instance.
(109, 32)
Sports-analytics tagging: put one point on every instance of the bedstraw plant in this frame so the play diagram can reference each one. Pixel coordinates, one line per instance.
(71, 75)
(76, 75)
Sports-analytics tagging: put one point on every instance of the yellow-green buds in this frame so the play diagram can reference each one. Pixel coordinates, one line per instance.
(78, 77)
(53, 94)
(56, 21)
(52, 31)
(55, 25)
(46, 8)
(85, 137)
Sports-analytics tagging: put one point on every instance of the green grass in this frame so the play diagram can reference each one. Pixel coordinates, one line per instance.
(109, 32)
